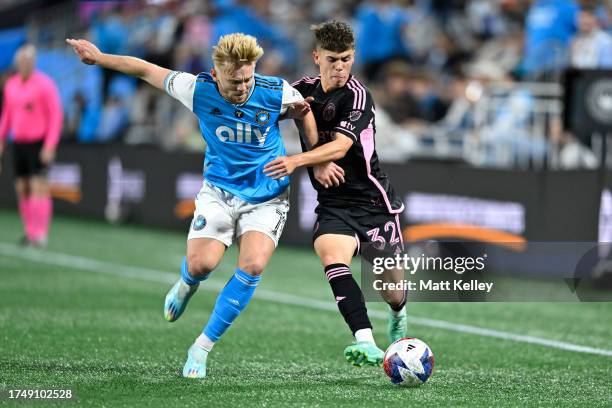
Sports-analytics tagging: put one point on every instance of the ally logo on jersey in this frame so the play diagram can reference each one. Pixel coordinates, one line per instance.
(242, 133)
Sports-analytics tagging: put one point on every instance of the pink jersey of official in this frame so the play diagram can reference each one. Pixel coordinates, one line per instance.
(32, 110)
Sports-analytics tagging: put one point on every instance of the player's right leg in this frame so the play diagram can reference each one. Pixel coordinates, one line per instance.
(22, 190)
(203, 256)
(336, 252)
(210, 233)
(22, 167)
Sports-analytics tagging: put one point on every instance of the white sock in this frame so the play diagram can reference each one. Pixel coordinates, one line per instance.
(204, 342)
(396, 313)
(365, 335)
(184, 289)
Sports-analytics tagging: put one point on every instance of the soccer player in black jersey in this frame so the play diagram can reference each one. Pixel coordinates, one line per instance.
(358, 206)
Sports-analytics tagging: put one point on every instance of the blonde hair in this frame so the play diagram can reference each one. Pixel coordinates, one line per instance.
(26, 51)
(236, 50)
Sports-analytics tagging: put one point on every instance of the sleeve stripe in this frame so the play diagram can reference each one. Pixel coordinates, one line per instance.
(167, 81)
(359, 99)
(345, 131)
(268, 82)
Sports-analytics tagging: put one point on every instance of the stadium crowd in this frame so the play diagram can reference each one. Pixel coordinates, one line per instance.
(427, 63)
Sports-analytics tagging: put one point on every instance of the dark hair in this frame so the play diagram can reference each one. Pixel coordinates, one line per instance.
(589, 8)
(334, 35)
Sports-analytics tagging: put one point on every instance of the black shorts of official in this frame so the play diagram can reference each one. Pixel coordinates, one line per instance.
(26, 159)
(377, 234)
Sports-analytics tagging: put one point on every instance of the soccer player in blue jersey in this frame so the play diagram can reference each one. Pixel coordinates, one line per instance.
(238, 111)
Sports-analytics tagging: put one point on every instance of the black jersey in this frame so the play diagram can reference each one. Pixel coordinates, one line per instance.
(350, 111)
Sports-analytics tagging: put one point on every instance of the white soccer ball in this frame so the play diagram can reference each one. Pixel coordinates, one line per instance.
(408, 362)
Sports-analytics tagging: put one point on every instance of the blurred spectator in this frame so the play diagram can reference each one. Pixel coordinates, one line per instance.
(113, 121)
(423, 89)
(486, 19)
(82, 119)
(427, 61)
(394, 94)
(503, 52)
(571, 154)
(231, 16)
(111, 34)
(549, 28)
(463, 93)
(409, 95)
(144, 120)
(592, 47)
(394, 143)
(380, 34)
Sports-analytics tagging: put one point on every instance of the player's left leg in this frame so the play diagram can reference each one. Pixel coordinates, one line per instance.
(24, 156)
(203, 256)
(336, 252)
(210, 233)
(385, 229)
(41, 207)
(22, 190)
(396, 300)
(256, 249)
(258, 228)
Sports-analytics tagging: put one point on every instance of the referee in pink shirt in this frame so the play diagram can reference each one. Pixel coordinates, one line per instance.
(32, 111)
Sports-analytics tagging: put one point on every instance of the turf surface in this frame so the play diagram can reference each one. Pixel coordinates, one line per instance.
(87, 315)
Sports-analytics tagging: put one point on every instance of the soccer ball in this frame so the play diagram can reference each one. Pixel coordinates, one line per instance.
(408, 362)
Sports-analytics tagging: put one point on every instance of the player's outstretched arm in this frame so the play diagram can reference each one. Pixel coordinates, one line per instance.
(90, 54)
(329, 152)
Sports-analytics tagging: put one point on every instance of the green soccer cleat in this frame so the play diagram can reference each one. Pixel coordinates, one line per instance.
(195, 367)
(364, 353)
(396, 326)
(176, 300)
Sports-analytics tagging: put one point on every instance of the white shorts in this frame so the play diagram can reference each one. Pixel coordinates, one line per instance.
(223, 216)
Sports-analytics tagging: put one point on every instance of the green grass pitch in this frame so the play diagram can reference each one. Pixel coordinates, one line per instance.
(86, 314)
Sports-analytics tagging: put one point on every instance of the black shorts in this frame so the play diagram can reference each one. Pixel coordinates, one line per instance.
(374, 231)
(26, 159)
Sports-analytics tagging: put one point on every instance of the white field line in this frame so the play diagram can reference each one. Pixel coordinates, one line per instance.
(153, 275)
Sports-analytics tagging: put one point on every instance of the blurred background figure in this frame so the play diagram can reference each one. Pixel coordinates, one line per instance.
(592, 47)
(418, 57)
(32, 113)
(380, 34)
(549, 28)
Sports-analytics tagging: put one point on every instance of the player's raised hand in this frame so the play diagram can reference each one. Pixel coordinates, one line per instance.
(329, 174)
(280, 167)
(87, 52)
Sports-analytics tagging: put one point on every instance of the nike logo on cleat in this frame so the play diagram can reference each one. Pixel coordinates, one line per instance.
(339, 298)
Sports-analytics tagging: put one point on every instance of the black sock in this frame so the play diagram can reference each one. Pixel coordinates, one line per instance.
(397, 308)
(348, 296)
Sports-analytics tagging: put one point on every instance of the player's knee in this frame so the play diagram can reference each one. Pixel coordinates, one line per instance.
(253, 267)
(22, 189)
(331, 258)
(199, 265)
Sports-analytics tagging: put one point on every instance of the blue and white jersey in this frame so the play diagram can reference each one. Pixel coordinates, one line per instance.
(240, 138)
